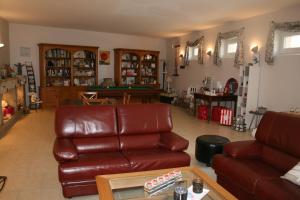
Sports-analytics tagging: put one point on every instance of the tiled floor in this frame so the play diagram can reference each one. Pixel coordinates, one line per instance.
(26, 154)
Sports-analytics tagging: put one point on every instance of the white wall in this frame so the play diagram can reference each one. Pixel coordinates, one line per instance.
(4, 37)
(279, 87)
(30, 36)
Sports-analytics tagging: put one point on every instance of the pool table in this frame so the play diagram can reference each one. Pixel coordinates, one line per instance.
(143, 94)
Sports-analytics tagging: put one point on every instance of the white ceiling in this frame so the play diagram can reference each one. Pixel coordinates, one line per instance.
(161, 18)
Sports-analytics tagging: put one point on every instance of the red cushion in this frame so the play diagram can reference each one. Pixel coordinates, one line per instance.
(142, 141)
(90, 165)
(244, 172)
(278, 159)
(96, 145)
(144, 118)
(142, 160)
(85, 121)
(276, 189)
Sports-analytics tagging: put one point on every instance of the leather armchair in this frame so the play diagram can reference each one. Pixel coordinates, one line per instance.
(252, 169)
(95, 140)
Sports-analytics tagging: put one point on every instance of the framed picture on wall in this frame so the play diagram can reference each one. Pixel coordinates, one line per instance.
(104, 57)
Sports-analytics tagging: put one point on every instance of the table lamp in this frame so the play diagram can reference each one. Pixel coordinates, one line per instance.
(169, 80)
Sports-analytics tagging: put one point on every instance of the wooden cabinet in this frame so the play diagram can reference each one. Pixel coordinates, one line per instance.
(136, 67)
(65, 70)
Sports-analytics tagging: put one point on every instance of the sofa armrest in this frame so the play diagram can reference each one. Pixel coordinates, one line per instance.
(64, 150)
(243, 149)
(173, 142)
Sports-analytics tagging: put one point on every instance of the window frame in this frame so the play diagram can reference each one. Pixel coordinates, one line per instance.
(192, 55)
(279, 44)
(224, 47)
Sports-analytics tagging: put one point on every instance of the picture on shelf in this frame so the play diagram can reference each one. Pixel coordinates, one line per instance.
(104, 57)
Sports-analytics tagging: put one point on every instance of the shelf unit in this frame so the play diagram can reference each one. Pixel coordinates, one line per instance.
(136, 67)
(65, 68)
(243, 90)
(248, 90)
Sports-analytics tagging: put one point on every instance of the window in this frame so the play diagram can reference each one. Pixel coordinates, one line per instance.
(193, 53)
(292, 41)
(231, 48)
(228, 47)
(287, 42)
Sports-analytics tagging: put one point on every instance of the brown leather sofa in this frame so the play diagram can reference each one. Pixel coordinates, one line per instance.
(252, 169)
(95, 140)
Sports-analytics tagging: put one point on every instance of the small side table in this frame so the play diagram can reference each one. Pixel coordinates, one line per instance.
(167, 97)
(257, 115)
(209, 145)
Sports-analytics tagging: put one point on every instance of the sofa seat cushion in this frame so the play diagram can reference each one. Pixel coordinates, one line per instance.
(151, 159)
(90, 165)
(244, 172)
(276, 189)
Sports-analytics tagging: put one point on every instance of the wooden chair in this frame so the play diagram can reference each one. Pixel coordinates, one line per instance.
(126, 98)
(2, 182)
(89, 98)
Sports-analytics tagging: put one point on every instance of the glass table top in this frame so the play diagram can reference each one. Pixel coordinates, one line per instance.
(132, 188)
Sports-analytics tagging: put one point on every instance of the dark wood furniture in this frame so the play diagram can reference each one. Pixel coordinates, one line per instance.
(209, 99)
(137, 93)
(136, 67)
(65, 70)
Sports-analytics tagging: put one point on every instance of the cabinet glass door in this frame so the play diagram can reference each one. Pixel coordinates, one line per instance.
(84, 68)
(58, 67)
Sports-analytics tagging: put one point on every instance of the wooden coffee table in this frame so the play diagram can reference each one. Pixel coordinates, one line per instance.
(130, 186)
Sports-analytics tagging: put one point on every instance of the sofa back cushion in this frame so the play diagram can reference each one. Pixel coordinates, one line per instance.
(281, 161)
(140, 125)
(144, 119)
(85, 121)
(280, 131)
(92, 129)
(96, 145)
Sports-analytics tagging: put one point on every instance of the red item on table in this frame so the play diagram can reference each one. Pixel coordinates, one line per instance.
(202, 112)
(226, 117)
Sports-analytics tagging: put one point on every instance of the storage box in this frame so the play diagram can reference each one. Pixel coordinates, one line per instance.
(216, 113)
(202, 112)
(226, 117)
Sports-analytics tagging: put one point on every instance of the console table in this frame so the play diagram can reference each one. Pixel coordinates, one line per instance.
(218, 98)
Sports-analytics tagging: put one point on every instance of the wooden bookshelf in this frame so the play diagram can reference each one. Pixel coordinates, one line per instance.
(136, 67)
(66, 69)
